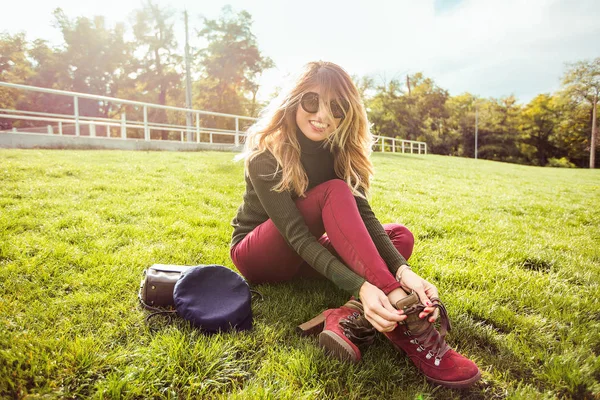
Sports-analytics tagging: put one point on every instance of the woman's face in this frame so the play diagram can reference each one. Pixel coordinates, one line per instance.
(317, 125)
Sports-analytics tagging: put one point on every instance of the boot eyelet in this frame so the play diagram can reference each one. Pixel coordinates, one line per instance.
(437, 361)
(420, 348)
(429, 355)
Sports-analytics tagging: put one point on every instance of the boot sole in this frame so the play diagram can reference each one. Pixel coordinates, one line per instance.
(337, 347)
(449, 384)
(457, 384)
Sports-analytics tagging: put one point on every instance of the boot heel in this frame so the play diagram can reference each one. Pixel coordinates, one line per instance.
(312, 327)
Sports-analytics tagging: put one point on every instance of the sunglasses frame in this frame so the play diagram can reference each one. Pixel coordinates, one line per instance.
(337, 109)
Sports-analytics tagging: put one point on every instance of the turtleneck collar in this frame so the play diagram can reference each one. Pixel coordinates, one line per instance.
(310, 146)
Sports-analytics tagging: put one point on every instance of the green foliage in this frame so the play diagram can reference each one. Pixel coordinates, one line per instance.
(513, 249)
(582, 83)
(562, 162)
(231, 64)
(14, 67)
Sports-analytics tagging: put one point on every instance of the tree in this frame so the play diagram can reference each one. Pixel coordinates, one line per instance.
(231, 64)
(160, 66)
(540, 120)
(582, 82)
(15, 67)
(97, 60)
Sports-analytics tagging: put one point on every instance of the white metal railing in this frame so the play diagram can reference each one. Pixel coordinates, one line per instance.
(405, 146)
(122, 122)
(59, 123)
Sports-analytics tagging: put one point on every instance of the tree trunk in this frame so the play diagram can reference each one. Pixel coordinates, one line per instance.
(594, 134)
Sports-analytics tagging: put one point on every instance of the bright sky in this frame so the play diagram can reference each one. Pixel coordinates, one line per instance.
(489, 48)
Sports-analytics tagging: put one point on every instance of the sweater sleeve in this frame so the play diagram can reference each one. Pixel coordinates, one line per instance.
(384, 245)
(282, 210)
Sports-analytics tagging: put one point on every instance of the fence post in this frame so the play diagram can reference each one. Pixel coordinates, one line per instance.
(123, 126)
(92, 128)
(382, 144)
(237, 131)
(60, 132)
(197, 127)
(50, 130)
(403, 147)
(107, 130)
(393, 145)
(76, 110)
(146, 130)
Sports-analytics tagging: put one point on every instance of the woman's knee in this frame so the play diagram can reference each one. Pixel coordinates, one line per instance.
(402, 238)
(334, 186)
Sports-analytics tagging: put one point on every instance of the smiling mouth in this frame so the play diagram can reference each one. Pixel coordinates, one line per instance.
(318, 125)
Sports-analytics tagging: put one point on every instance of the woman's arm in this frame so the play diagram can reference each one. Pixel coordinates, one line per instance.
(288, 220)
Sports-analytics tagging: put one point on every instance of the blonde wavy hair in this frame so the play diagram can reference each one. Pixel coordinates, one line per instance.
(350, 142)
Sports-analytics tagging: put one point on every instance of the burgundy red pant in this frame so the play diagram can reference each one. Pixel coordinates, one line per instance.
(263, 256)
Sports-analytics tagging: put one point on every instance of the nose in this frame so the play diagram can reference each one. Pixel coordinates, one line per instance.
(322, 112)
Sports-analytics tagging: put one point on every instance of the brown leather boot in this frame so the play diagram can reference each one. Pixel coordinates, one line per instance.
(341, 330)
(427, 347)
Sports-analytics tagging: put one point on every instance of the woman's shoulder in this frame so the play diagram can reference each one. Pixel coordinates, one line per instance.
(263, 163)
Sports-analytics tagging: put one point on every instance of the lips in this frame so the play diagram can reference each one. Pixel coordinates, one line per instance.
(319, 126)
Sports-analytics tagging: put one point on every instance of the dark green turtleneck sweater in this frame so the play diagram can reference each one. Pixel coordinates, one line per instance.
(261, 203)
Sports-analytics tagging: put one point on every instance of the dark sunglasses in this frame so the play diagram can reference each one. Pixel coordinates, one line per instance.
(310, 103)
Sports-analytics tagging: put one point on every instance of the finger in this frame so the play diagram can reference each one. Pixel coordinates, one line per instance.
(378, 326)
(423, 297)
(426, 311)
(434, 316)
(390, 314)
(384, 324)
(432, 292)
(385, 302)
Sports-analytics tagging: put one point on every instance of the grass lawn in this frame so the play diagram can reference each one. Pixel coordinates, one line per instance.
(514, 250)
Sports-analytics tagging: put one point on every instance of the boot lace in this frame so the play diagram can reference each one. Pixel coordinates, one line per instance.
(431, 339)
(358, 329)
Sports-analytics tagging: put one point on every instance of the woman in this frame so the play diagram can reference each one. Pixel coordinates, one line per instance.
(305, 209)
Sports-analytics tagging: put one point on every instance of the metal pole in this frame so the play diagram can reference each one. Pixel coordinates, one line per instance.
(198, 127)
(476, 126)
(237, 131)
(123, 127)
(188, 81)
(146, 130)
(76, 111)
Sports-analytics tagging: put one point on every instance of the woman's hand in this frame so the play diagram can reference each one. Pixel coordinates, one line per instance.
(425, 290)
(378, 309)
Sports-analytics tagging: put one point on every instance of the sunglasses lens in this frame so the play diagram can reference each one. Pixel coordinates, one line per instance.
(310, 102)
(339, 108)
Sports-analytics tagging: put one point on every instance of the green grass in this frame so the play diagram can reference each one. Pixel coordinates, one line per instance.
(514, 250)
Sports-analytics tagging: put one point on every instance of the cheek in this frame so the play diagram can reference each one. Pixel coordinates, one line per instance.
(300, 117)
